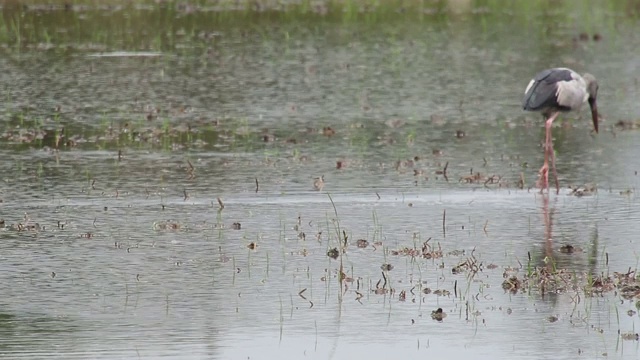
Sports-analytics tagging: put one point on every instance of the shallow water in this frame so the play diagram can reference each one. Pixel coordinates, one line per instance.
(132, 257)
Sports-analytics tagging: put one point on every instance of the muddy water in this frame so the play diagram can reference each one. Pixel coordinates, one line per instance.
(115, 245)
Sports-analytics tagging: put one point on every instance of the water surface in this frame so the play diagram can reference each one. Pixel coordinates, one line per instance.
(122, 126)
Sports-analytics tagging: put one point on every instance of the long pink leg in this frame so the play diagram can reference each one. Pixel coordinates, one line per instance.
(552, 152)
(544, 170)
(548, 150)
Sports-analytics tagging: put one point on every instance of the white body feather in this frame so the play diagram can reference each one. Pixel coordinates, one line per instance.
(572, 94)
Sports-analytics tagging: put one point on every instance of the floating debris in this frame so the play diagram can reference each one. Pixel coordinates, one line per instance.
(381, 291)
(362, 243)
(386, 267)
(629, 292)
(585, 190)
(25, 227)
(236, 226)
(478, 178)
(427, 251)
(512, 284)
(627, 192)
(442, 292)
(318, 183)
(569, 249)
(333, 253)
(599, 286)
(470, 265)
(328, 131)
(550, 280)
(438, 314)
(403, 164)
(623, 125)
(630, 336)
(166, 225)
(395, 123)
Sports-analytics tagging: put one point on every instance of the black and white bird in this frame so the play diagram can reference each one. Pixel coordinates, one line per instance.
(551, 92)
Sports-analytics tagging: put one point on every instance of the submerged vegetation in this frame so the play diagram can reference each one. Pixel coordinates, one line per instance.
(152, 31)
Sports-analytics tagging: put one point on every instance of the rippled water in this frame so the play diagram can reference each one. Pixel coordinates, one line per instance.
(128, 256)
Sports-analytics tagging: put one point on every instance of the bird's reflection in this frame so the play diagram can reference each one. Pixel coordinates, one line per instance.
(548, 227)
(566, 256)
(550, 259)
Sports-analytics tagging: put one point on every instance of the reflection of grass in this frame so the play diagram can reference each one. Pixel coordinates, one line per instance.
(341, 245)
(15, 32)
(155, 26)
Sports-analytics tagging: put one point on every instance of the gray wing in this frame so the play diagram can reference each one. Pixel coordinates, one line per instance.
(542, 90)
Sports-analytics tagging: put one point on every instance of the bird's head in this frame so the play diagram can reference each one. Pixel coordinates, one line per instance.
(592, 90)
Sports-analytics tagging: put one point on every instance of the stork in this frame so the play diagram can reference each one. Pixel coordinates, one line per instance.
(551, 92)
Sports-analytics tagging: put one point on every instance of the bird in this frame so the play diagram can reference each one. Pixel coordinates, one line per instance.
(552, 92)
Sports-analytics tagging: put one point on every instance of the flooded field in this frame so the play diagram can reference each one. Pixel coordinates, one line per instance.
(323, 180)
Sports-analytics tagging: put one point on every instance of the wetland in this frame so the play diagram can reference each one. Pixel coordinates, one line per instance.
(314, 179)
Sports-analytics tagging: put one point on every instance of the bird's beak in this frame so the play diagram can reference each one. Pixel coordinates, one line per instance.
(594, 113)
